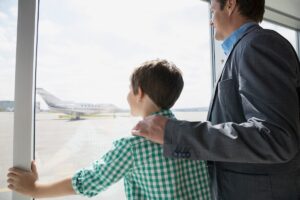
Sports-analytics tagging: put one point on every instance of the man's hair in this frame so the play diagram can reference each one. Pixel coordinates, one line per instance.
(160, 80)
(252, 9)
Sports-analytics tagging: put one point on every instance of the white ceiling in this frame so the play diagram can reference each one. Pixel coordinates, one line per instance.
(286, 12)
(290, 7)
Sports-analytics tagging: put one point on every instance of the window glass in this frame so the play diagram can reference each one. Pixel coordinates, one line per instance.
(86, 53)
(220, 58)
(8, 29)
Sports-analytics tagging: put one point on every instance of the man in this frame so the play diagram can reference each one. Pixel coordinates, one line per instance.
(252, 134)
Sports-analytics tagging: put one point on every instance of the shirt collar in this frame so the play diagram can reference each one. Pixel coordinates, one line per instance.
(229, 42)
(167, 113)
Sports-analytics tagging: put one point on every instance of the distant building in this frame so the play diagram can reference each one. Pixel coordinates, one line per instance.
(9, 106)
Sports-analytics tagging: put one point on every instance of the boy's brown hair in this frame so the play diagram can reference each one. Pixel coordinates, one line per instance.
(160, 80)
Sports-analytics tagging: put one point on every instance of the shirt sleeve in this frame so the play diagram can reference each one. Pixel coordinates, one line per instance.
(104, 172)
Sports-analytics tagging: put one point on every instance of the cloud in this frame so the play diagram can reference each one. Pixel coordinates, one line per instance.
(49, 28)
(3, 16)
(14, 11)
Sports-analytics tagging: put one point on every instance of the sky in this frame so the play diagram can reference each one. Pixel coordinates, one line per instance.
(8, 27)
(88, 49)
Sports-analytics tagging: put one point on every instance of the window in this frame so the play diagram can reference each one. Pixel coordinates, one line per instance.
(8, 21)
(86, 53)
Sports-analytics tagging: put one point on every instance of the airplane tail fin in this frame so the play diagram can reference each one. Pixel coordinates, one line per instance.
(50, 99)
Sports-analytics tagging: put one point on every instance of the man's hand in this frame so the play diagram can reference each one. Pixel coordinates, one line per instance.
(23, 181)
(152, 128)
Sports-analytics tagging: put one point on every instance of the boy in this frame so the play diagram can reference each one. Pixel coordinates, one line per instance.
(155, 87)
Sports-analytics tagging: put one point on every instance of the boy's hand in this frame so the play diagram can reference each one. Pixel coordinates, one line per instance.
(152, 128)
(23, 181)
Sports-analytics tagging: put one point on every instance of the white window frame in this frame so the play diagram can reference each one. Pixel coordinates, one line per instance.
(298, 43)
(24, 86)
(23, 141)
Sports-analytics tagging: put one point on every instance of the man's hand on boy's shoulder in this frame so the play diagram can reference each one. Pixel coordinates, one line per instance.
(152, 128)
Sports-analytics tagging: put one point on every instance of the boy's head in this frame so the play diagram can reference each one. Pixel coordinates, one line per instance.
(160, 80)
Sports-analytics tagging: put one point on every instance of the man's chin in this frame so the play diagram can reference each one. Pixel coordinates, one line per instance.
(218, 37)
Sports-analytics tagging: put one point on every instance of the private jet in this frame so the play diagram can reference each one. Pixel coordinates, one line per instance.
(72, 108)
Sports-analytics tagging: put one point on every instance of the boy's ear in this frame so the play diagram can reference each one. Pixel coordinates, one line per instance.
(140, 94)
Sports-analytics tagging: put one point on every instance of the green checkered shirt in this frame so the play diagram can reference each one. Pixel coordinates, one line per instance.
(147, 173)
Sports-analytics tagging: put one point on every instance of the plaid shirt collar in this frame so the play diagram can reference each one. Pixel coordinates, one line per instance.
(166, 113)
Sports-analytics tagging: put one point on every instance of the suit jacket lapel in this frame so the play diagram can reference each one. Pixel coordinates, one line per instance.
(215, 89)
(224, 67)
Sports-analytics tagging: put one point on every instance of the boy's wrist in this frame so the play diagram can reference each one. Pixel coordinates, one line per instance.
(36, 190)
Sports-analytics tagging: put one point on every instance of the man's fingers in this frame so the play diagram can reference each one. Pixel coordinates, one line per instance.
(139, 133)
(136, 132)
(152, 128)
(137, 126)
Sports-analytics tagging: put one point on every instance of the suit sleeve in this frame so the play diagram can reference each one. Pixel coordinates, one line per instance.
(267, 76)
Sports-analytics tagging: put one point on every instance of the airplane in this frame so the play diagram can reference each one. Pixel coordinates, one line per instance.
(74, 109)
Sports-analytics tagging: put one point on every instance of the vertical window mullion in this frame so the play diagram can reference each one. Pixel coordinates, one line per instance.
(298, 42)
(24, 87)
(213, 55)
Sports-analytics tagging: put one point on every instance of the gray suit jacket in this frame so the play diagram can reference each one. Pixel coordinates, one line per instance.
(252, 135)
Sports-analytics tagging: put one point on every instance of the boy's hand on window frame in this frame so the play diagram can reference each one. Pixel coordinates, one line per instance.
(23, 181)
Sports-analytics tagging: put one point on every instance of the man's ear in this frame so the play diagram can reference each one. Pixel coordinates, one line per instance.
(231, 5)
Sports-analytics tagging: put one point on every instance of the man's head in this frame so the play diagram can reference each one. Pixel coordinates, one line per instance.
(228, 15)
(159, 80)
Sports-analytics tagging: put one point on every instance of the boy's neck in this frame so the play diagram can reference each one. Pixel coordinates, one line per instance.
(148, 112)
(149, 107)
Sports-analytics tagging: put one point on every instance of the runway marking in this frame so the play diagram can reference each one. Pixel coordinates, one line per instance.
(85, 134)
